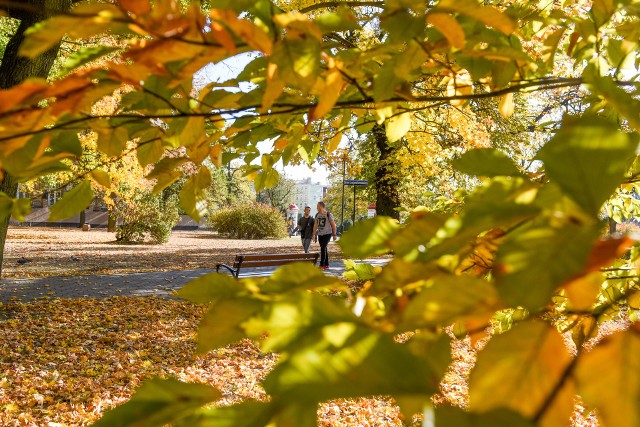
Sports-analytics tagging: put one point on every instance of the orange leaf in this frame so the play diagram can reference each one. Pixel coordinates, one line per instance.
(216, 155)
(222, 36)
(253, 35)
(606, 251)
(330, 94)
(449, 27)
(16, 95)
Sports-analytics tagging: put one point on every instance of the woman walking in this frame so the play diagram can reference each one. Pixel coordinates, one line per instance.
(323, 228)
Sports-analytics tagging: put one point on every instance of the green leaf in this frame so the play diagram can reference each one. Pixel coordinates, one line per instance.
(435, 351)
(84, 56)
(608, 378)
(16, 208)
(211, 287)
(433, 305)
(66, 142)
(298, 60)
(223, 323)
(403, 25)
(101, 177)
(365, 363)
(369, 237)
(301, 318)
(519, 369)
(159, 402)
(72, 202)
(398, 273)
(193, 196)
(534, 261)
(149, 152)
(298, 275)
(416, 233)
(340, 20)
(47, 34)
(622, 102)
(266, 179)
(449, 416)
(486, 162)
(587, 158)
(397, 126)
(359, 271)
(244, 414)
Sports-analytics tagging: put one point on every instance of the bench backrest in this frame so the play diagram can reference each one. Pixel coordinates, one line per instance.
(269, 260)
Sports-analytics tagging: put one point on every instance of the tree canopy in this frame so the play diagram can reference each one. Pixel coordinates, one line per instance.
(523, 257)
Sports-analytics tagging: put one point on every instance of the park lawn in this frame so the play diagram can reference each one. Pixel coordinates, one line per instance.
(70, 251)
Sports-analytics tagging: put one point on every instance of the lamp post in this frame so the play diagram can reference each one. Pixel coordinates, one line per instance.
(344, 172)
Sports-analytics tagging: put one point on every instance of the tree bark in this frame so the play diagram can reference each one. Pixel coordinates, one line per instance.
(14, 69)
(387, 182)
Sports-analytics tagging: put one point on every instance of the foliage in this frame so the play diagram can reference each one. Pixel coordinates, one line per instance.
(279, 196)
(147, 217)
(525, 245)
(254, 221)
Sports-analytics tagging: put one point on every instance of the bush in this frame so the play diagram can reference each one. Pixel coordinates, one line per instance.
(254, 221)
(147, 218)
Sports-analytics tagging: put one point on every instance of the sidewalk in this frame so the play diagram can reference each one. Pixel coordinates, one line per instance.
(160, 283)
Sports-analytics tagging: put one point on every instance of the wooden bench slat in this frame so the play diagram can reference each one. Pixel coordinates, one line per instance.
(267, 260)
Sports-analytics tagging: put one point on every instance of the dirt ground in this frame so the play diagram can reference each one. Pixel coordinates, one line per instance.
(70, 251)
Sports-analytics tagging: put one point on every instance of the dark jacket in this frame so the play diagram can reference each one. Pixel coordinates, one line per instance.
(306, 227)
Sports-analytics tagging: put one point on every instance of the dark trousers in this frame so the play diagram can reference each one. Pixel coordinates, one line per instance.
(324, 251)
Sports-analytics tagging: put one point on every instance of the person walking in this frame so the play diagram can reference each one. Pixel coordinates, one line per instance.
(305, 225)
(323, 228)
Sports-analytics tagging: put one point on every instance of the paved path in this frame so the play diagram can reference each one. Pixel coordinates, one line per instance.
(160, 283)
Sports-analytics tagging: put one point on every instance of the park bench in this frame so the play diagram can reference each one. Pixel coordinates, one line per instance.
(266, 260)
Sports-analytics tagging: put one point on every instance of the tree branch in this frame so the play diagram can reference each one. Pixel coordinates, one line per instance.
(330, 4)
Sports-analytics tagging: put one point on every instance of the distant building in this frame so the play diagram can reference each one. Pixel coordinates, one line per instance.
(307, 193)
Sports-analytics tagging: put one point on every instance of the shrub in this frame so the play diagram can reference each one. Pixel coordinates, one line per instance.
(254, 221)
(147, 218)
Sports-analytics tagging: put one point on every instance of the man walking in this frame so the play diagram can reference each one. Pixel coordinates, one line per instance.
(305, 225)
(323, 229)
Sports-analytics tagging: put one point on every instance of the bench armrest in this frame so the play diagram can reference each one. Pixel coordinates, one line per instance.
(234, 273)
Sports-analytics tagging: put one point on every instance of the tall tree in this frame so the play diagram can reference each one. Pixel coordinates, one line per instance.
(16, 68)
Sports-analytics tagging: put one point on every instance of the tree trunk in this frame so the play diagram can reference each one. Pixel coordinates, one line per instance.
(388, 197)
(613, 225)
(83, 218)
(15, 69)
(111, 223)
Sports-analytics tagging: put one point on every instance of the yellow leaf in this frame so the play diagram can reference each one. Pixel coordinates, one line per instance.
(459, 85)
(449, 27)
(334, 142)
(275, 86)
(506, 106)
(397, 126)
(330, 95)
(519, 369)
(488, 15)
(101, 177)
(608, 378)
(216, 154)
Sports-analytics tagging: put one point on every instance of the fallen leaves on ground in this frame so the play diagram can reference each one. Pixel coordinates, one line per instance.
(71, 251)
(65, 362)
